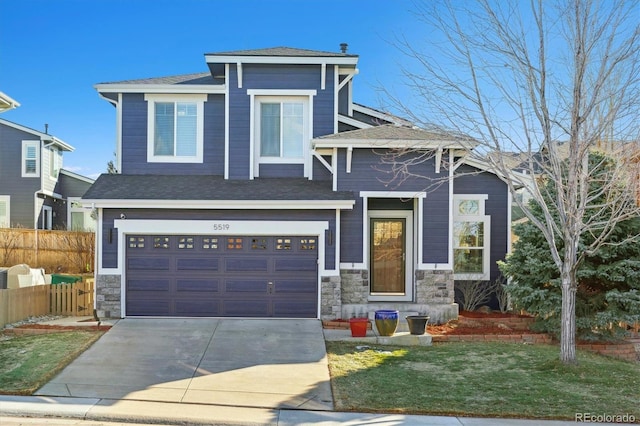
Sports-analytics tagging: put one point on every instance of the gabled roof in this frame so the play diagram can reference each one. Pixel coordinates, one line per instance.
(282, 55)
(205, 190)
(186, 83)
(7, 103)
(43, 136)
(76, 176)
(196, 78)
(392, 136)
(283, 51)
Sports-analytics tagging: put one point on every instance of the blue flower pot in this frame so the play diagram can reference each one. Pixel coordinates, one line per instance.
(386, 322)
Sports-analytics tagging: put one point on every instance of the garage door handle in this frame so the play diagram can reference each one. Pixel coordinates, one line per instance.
(270, 287)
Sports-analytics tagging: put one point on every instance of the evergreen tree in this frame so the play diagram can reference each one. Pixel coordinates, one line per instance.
(608, 291)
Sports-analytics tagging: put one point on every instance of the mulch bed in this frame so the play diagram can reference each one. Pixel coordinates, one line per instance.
(29, 329)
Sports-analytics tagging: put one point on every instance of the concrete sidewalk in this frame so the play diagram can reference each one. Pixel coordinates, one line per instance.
(42, 409)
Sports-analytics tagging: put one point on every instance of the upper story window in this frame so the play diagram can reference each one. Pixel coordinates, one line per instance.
(30, 158)
(175, 128)
(471, 238)
(55, 162)
(282, 127)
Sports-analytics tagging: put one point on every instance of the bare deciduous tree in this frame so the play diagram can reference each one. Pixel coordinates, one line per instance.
(10, 242)
(539, 84)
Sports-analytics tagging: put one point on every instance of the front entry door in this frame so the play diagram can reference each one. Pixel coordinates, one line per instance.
(388, 256)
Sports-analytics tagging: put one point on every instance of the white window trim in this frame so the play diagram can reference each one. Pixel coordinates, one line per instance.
(281, 100)
(7, 200)
(56, 164)
(258, 95)
(409, 258)
(199, 100)
(480, 217)
(23, 168)
(47, 218)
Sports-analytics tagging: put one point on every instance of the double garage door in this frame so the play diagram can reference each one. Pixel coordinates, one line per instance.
(227, 276)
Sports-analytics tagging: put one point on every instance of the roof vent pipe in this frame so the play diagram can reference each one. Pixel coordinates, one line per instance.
(343, 47)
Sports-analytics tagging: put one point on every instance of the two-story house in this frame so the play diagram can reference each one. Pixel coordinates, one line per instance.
(258, 189)
(35, 192)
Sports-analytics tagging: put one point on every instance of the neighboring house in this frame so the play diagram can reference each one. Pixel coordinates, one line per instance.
(7, 103)
(35, 192)
(257, 189)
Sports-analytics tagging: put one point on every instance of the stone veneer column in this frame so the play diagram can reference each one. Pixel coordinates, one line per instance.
(108, 296)
(434, 287)
(330, 301)
(355, 286)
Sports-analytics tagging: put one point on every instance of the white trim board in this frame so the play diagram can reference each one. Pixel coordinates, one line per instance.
(224, 204)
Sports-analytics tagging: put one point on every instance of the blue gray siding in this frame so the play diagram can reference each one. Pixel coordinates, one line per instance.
(134, 140)
(109, 250)
(368, 174)
(469, 181)
(21, 190)
(287, 77)
(69, 186)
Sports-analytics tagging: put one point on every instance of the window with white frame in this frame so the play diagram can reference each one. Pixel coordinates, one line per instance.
(30, 158)
(5, 212)
(282, 128)
(80, 218)
(55, 162)
(471, 238)
(175, 126)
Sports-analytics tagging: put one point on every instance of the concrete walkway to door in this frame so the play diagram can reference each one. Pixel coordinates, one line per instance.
(269, 363)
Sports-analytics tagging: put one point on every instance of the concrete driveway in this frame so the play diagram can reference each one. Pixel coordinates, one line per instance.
(269, 363)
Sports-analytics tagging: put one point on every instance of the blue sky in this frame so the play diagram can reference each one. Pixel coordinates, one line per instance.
(52, 52)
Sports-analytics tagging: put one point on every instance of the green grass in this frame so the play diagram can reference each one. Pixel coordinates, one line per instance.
(480, 379)
(28, 362)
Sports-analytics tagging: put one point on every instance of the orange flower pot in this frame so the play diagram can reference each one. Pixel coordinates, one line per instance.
(358, 327)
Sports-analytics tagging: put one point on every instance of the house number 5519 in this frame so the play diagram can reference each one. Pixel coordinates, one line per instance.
(221, 226)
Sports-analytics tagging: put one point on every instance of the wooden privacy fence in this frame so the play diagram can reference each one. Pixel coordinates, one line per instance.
(55, 251)
(55, 299)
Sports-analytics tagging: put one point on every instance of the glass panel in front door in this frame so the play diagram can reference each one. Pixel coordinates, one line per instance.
(387, 253)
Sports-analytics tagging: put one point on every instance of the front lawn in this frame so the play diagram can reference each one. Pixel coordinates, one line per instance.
(480, 379)
(27, 362)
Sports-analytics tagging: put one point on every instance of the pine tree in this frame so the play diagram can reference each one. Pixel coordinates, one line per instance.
(608, 291)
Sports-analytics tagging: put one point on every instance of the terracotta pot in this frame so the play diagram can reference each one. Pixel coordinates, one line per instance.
(358, 326)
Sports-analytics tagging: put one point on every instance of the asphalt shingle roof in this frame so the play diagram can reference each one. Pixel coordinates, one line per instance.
(197, 78)
(180, 187)
(391, 132)
(282, 51)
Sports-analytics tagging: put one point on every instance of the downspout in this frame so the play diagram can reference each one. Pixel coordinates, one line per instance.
(35, 222)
